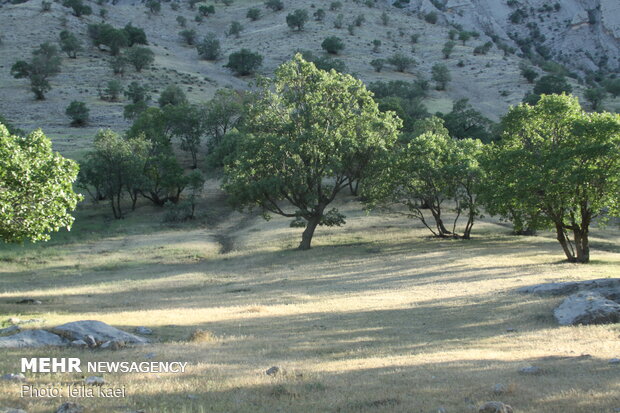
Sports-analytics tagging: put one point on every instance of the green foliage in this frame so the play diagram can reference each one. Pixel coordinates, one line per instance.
(44, 63)
(253, 14)
(182, 21)
(235, 29)
(69, 43)
(189, 36)
(332, 44)
(118, 64)
(431, 17)
(335, 5)
(37, 188)
(595, 97)
(310, 133)
(359, 20)
(529, 73)
(172, 95)
(221, 114)
(209, 48)
(105, 34)
(297, 20)
(112, 91)
(140, 57)
(154, 6)
(339, 21)
(135, 35)
(319, 15)
(612, 86)
(465, 122)
(378, 64)
(559, 164)
(244, 62)
(401, 62)
(483, 48)
(385, 19)
(275, 5)
(78, 7)
(548, 85)
(113, 168)
(376, 45)
(78, 112)
(206, 11)
(425, 173)
(448, 47)
(326, 63)
(441, 75)
(10, 127)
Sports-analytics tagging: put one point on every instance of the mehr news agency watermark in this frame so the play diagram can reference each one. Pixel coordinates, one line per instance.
(96, 387)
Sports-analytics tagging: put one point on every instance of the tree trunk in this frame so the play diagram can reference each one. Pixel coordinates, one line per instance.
(565, 242)
(582, 246)
(306, 237)
(441, 228)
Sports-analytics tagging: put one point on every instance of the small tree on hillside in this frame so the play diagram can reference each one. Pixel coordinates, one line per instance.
(253, 14)
(448, 47)
(275, 5)
(595, 97)
(297, 20)
(209, 48)
(332, 44)
(140, 57)
(401, 62)
(78, 7)
(78, 112)
(235, 29)
(307, 127)
(172, 95)
(441, 76)
(560, 164)
(244, 62)
(69, 43)
(44, 63)
(189, 36)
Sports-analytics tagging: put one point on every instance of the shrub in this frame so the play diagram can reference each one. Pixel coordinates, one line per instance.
(172, 95)
(401, 62)
(182, 21)
(377, 64)
(441, 75)
(253, 14)
(154, 6)
(376, 44)
(118, 65)
(78, 112)
(244, 62)
(135, 35)
(79, 8)
(235, 29)
(44, 64)
(339, 21)
(140, 57)
(431, 17)
(275, 5)
(335, 5)
(415, 38)
(189, 36)
(297, 19)
(332, 44)
(209, 48)
(112, 91)
(46, 6)
(385, 19)
(448, 47)
(206, 11)
(319, 15)
(359, 20)
(137, 92)
(69, 43)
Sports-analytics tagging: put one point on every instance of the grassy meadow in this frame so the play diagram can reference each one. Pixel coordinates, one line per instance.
(377, 317)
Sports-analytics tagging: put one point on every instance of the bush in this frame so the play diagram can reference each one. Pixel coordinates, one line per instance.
(335, 5)
(137, 93)
(244, 62)
(179, 212)
(377, 64)
(140, 57)
(319, 15)
(69, 43)
(154, 6)
(182, 21)
(297, 19)
(431, 17)
(339, 21)
(275, 5)
(112, 91)
(135, 35)
(78, 7)
(552, 84)
(172, 95)
(441, 75)
(448, 47)
(46, 6)
(78, 112)
(359, 20)
(332, 44)
(376, 44)
(253, 14)
(401, 62)
(209, 48)
(206, 11)
(235, 29)
(189, 36)
(529, 74)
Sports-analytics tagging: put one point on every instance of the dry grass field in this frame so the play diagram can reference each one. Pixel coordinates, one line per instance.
(377, 317)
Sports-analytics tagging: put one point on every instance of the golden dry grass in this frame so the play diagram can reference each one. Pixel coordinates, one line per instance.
(376, 317)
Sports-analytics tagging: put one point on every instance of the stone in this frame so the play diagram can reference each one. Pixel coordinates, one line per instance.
(587, 308)
(94, 381)
(494, 407)
(442, 410)
(9, 330)
(145, 331)
(530, 370)
(10, 410)
(29, 301)
(272, 371)
(70, 408)
(500, 388)
(100, 332)
(113, 345)
(32, 338)
(614, 361)
(14, 377)
(565, 288)
(14, 320)
(79, 343)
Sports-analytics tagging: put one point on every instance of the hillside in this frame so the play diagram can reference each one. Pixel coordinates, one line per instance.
(492, 82)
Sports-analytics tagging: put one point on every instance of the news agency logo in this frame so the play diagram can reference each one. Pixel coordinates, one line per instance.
(74, 365)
